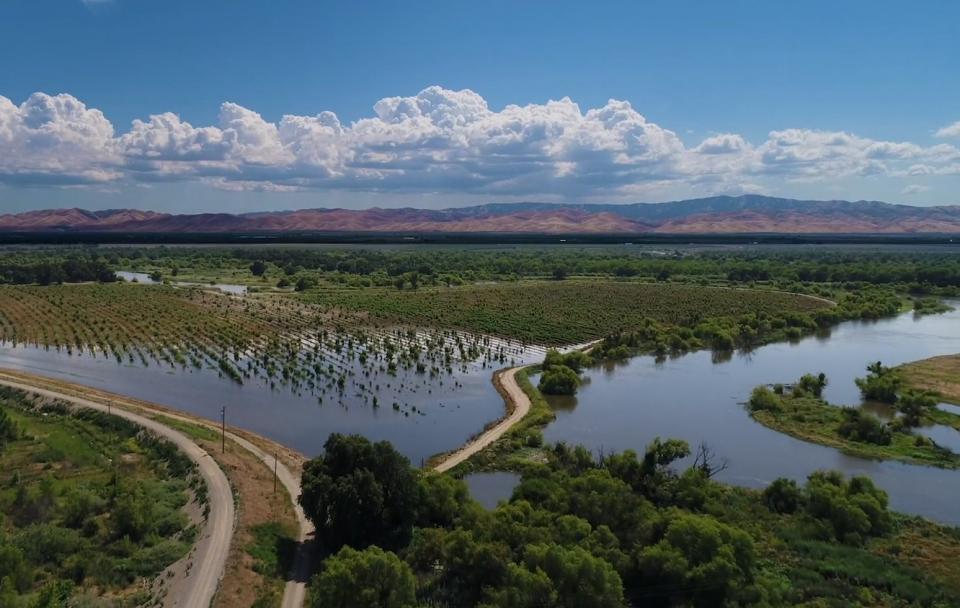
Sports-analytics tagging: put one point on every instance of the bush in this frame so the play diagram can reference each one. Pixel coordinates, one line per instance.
(559, 380)
(914, 404)
(372, 578)
(764, 399)
(783, 496)
(860, 426)
(810, 385)
(881, 384)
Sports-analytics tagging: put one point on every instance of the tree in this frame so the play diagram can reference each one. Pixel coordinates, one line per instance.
(580, 579)
(851, 510)
(881, 384)
(764, 399)
(699, 561)
(559, 380)
(372, 578)
(522, 589)
(258, 268)
(783, 496)
(8, 429)
(559, 274)
(858, 425)
(914, 404)
(441, 501)
(360, 493)
(305, 283)
(810, 385)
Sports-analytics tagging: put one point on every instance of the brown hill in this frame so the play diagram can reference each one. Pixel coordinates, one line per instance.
(744, 214)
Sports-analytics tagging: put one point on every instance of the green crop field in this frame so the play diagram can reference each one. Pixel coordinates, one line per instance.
(559, 312)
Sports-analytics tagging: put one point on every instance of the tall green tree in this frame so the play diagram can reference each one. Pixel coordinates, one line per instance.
(360, 493)
(371, 578)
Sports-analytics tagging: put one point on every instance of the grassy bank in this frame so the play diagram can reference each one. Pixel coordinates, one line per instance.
(814, 420)
(938, 374)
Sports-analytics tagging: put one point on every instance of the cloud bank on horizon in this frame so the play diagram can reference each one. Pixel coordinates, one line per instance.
(440, 141)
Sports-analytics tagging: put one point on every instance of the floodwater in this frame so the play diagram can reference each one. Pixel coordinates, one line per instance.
(489, 488)
(699, 397)
(435, 414)
(144, 278)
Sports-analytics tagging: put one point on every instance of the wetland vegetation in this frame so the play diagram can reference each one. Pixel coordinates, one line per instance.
(92, 506)
(620, 530)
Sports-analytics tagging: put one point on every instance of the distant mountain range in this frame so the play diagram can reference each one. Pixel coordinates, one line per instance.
(714, 215)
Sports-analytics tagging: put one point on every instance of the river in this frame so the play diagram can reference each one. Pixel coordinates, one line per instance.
(698, 398)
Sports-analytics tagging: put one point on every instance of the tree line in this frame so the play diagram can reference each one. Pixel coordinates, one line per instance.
(604, 531)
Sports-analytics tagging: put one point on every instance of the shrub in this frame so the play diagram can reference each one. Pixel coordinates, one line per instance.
(860, 426)
(783, 496)
(559, 380)
(372, 578)
(764, 399)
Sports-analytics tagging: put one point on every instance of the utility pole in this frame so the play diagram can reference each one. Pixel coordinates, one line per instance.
(274, 472)
(223, 428)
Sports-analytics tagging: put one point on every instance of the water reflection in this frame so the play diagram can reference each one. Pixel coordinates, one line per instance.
(699, 397)
(144, 278)
(491, 488)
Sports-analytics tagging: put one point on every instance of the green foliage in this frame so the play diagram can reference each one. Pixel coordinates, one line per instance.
(359, 493)
(762, 398)
(850, 511)
(559, 380)
(442, 500)
(914, 404)
(853, 429)
(559, 312)
(783, 496)
(858, 425)
(272, 548)
(8, 429)
(258, 268)
(810, 385)
(698, 560)
(628, 530)
(371, 578)
(929, 306)
(881, 384)
(49, 269)
(578, 579)
(86, 499)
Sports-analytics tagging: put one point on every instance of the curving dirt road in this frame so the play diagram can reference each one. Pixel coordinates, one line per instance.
(515, 397)
(518, 405)
(210, 553)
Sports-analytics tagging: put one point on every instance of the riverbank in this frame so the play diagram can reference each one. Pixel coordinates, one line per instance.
(245, 459)
(814, 420)
(938, 374)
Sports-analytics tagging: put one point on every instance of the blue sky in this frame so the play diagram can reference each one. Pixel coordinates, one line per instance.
(814, 99)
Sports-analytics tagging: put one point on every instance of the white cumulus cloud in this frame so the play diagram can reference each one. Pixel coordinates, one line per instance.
(949, 130)
(438, 140)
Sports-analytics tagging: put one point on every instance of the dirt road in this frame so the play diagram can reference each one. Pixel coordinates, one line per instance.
(517, 400)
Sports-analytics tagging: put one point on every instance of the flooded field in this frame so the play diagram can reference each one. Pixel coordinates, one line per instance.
(424, 403)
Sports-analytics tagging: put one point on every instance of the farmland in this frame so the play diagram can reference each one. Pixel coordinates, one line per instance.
(559, 312)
